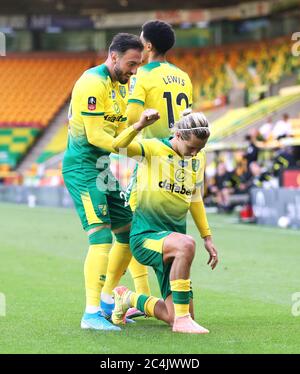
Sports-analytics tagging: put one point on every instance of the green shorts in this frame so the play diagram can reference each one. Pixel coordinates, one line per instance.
(147, 249)
(95, 206)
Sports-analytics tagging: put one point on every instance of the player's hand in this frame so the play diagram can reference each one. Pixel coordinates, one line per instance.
(148, 117)
(213, 253)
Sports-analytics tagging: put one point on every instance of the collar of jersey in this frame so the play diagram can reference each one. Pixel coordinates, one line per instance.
(106, 71)
(167, 142)
(155, 64)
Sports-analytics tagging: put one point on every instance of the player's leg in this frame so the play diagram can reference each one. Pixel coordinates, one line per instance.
(100, 240)
(88, 202)
(171, 255)
(95, 266)
(145, 303)
(120, 255)
(179, 249)
(119, 258)
(139, 274)
(138, 271)
(150, 305)
(147, 249)
(159, 251)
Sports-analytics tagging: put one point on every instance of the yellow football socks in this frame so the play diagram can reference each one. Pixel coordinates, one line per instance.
(94, 272)
(139, 275)
(119, 259)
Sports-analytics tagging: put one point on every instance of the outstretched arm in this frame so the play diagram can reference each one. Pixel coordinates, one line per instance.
(125, 139)
(134, 112)
(96, 134)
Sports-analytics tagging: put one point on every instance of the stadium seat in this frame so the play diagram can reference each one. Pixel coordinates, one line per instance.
(34, 87)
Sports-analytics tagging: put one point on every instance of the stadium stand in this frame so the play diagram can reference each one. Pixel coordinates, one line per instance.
(56, 145)
(237, 119)
(37, 85)
(34, 87)
(255, 64)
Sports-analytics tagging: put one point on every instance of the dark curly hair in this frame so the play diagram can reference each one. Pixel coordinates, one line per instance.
(160, 34)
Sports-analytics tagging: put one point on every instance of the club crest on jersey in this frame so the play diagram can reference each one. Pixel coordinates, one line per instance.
(113, 94)
(92, 103)
(195, 165)
(103, 209)
(122, 90)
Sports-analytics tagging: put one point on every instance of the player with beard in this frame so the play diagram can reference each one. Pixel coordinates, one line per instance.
(96, 117)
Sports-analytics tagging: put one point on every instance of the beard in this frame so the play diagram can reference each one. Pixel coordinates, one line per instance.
(120, 76)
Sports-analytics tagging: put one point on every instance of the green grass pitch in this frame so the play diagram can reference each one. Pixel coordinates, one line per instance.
(246, 302)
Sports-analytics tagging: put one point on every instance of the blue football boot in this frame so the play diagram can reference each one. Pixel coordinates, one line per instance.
(95, 321)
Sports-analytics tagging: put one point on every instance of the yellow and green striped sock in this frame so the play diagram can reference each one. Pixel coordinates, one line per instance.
(181, 296)
(145, 304)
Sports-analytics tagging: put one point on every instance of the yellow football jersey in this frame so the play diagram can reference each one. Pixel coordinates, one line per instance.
(166, 186)
(165, 87)
(97, 105)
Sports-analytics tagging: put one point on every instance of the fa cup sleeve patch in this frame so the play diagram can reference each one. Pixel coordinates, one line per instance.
(92, 103)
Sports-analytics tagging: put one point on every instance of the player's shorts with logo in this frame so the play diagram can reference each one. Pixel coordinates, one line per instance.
(98, 198)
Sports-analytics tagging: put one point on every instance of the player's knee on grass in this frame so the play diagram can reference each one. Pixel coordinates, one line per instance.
(100, 235)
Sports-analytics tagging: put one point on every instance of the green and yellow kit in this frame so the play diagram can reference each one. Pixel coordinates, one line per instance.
(169, 187)
(96, 116)
(164, 87)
